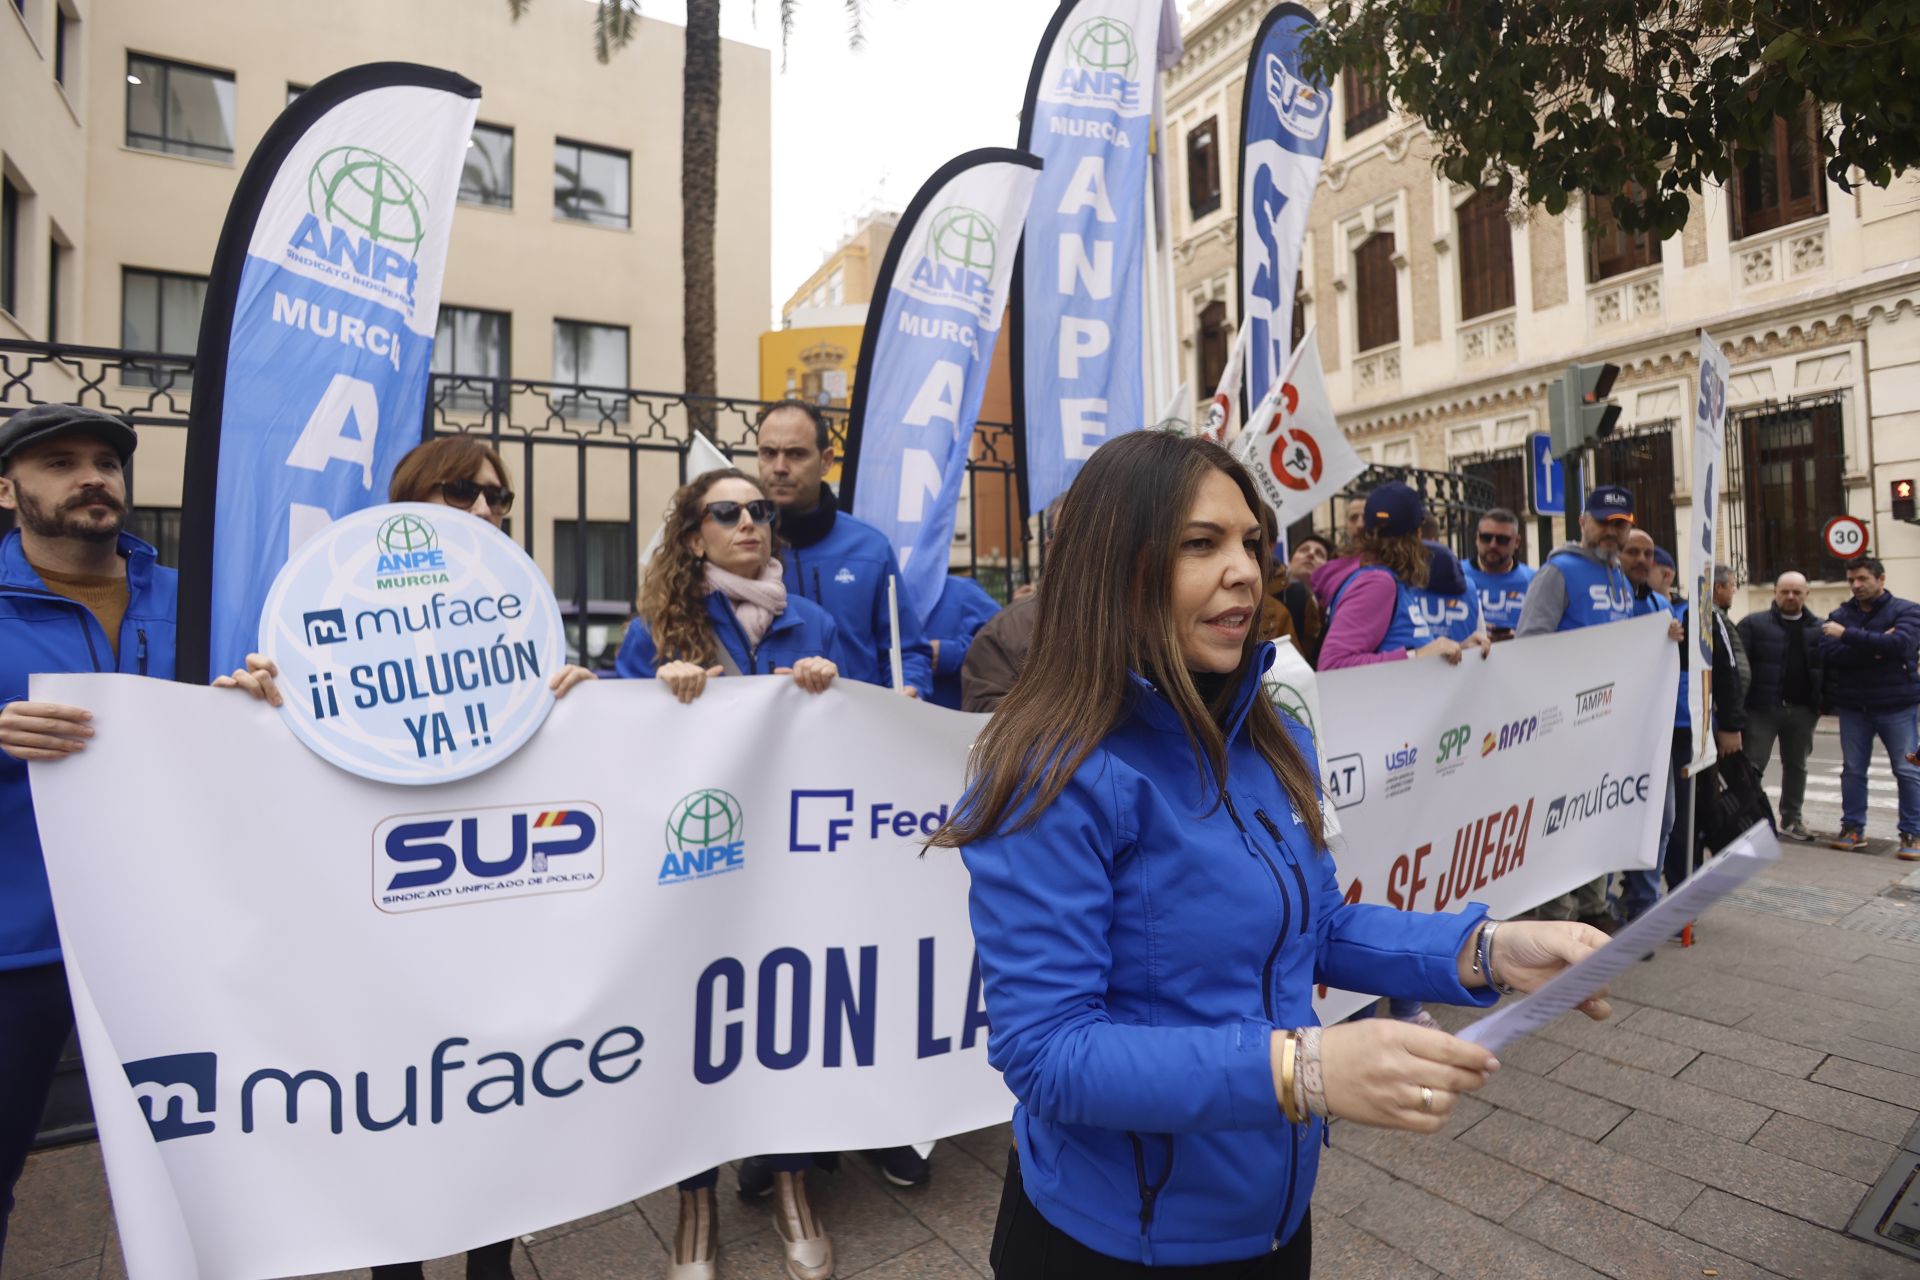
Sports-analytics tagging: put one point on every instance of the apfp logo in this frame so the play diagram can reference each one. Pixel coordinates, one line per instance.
(374, 217)
(176, 1091)
(425, 860)
(706, 836)
(1302, 107)
(962, 251)
(1102, 64)
(1510, 735)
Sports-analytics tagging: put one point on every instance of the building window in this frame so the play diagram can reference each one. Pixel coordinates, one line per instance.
(591, 355)
(1641, 461)
(56, 264)
(1213, 344)
(181, 110)
(837, 287)
(160, 312)
(1612, 250)
(1376, 292)
(1792, 458)
(159, 527)
(590, 184)
(1203, 168)
(1782, 182)
(1486, 256)
(9, 245)
(1299, 329)
(1366, 100)
(488, 176)
(471, 350)
(1505, 471)
(63, 24)
(607, 576)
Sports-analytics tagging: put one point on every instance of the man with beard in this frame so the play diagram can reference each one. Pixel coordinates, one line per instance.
(76, 594)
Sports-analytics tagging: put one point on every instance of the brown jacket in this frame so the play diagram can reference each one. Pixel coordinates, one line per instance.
(999, 651)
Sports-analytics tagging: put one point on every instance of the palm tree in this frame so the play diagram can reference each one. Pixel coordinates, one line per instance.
(615, 22)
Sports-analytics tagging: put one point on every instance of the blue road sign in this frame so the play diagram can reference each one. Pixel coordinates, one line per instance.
(1549, 478)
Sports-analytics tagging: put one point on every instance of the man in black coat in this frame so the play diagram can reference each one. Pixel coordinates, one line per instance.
(1783, 702)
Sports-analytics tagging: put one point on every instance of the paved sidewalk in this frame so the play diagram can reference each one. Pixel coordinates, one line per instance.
(1727, 1122)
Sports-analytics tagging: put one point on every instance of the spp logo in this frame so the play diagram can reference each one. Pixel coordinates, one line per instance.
(706, 836)
(1301, 106)
(1591, 704)
(366, 218)
(326, 626)
(1510, 735)
(470, 855)
(1453, 743)
(824, 821)
(1102, 65)
(176, 1091)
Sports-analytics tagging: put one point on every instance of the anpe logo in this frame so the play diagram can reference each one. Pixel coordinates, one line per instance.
(176, 1091)
(1510, 735)
(325, 626)
(1608, 794)
(1591, 704)
(426, 860)
(1453, 743)
(1102, 64)
(374, 218)
(1302, 109)
(410, 554)
(844, 577)
(962, 250)
(706, 836)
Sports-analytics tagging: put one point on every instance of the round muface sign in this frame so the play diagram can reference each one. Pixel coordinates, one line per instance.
(1845, 537)
(414, 644)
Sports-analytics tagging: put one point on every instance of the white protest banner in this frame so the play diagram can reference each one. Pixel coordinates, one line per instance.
(1508, 780)
(364, 1027)
(1293, 445)
(1709, 449)
(414, 643)
(1218, 424)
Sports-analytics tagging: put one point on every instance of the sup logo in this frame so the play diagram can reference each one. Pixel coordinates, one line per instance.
(706, 836)
(1301, 107)
(176, 1092)
(1102, 64)
(423, 860)
(374, 217)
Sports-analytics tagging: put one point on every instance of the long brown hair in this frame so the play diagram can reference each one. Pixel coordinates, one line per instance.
(1405, 554)
(1106, 612)
(426, 467)
(673, 599)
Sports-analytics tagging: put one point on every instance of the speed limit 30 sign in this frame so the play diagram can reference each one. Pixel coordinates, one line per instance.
(1845, 537)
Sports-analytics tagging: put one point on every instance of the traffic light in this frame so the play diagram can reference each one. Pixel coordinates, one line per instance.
(1903, 502)
(1577, 407)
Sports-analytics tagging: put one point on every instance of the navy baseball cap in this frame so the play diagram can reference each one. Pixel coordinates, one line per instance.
(46, 422)
(1610, 502)
(1393, 511)
(1664, 558)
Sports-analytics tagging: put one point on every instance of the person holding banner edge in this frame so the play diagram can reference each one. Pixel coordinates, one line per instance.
(1138, 821)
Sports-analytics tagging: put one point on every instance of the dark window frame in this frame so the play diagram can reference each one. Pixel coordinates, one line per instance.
(1376, 293)
(168, 145)
(9, 245)
(1203, 168)
(1641, 459)
(159, 527)
(570, 208)
(587, 404)
(612, 540)
(465, 395)
(54, 250)
(496, 201)
(60, 21)
(1366, 99)
(1787, 476)
(1751, 169)
(1212, 345)
(170, 377)
(1485, 252)
(1612, 250)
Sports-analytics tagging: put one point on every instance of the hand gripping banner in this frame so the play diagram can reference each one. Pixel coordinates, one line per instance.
(317, 337)
(1078, 377)
(941, 291)
(1283, 138)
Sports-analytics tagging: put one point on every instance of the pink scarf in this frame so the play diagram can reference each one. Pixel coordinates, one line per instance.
(756, 601)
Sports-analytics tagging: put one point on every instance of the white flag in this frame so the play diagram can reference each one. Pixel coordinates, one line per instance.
(1295, 449)
(1218, 424)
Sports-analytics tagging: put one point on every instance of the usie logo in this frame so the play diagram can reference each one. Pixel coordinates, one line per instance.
(1403, 758)
(176, 1091)
(469, 855)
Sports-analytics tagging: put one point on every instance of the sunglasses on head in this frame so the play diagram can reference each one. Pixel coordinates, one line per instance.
(463, 493)
(727, 514)
(1497, 539)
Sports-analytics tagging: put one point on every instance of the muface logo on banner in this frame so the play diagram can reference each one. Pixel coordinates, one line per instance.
(414, 644)
(1078, 373)
(1283, 140)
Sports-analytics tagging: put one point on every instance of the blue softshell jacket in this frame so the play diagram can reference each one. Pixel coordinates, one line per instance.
(44, 632)
(804, 630)
(1139, 944)
(1408, 629)
(964, 607)
(1501, 594)
(846, 572)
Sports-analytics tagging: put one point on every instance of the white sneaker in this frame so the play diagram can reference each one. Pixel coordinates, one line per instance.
(696, 1245)
(802, 1235)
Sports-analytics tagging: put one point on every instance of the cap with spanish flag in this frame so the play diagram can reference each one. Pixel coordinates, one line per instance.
(1610, 502)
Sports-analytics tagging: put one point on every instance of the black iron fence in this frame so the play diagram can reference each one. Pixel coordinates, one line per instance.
(1785, 480)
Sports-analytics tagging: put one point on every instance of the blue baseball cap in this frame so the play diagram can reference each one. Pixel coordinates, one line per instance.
(1610, 502)
(1664, 558)
(1393, 511)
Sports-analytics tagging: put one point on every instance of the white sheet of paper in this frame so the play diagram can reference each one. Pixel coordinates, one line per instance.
(1735, 865)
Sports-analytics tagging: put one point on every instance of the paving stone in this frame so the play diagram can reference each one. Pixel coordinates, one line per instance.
(1837, 1107)
(1541, 1099)
(619, 1247)
(1784, 1244)
(1489, 1187)
(1467, 1112)
(1728, 1042)
(1455, 1242)
(1766, 1177)
(1824, 1147)
(1899, 1035)
(1617, 1043)
(1535, 1054)
(594, 1220)
(1620, 1244)
(1854, 1049)
(1620, 1180)
(868, 1225)
(1695, 1103)
(61, 1212)
(1870, 1082)
(1344, 1183)
(1343, 1252)
(1714, 996)
(734, 1218)
(959, 1204)
(85, 1269)
(989, 1146)
(930, 1261)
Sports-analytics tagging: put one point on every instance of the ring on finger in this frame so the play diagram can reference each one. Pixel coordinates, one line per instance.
(1426, 1099)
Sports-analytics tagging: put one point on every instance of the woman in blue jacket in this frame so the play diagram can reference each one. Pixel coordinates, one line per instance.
(1153, 902)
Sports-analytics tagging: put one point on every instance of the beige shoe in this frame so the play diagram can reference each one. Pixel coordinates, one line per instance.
(695, 1244)
(802, 1235)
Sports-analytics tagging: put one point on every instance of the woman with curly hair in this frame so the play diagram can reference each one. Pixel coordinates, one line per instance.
(1368, 593)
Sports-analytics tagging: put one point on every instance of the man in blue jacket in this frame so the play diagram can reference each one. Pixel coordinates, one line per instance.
(963, 608)
(1868, 646)
(76, 594)
(832, 558)
(1497, 573)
